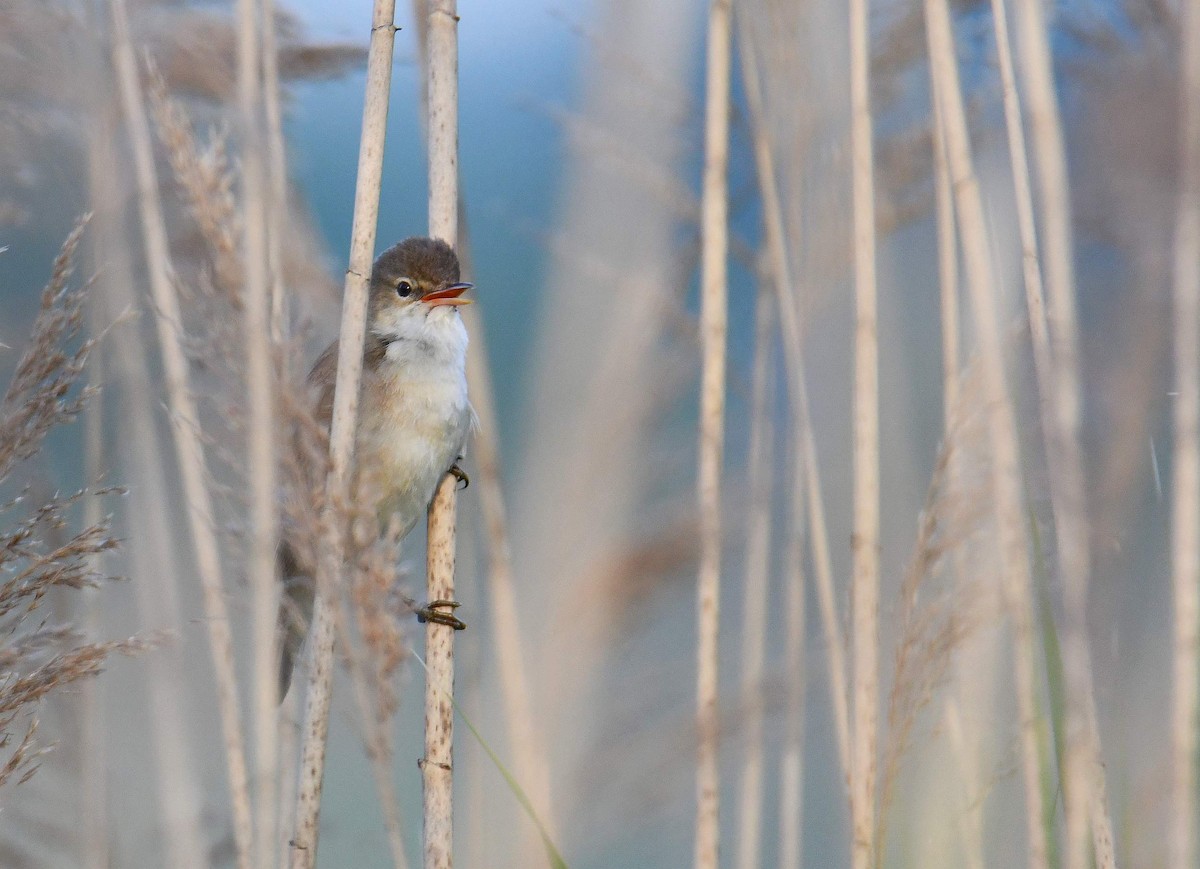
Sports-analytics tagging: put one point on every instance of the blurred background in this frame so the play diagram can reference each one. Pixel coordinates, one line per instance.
(580, 159)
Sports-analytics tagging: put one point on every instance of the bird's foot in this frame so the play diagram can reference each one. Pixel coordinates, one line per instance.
(459, 474)
(434, 612)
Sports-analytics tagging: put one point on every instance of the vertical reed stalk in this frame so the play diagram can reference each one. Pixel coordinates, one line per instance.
(1002, 435)
(1185, 487)
(713, 263)
(947, 244)
(437, 764)
(276, 167)
(756, 588)
(342, 429)
(529, 754)
(864, 589)
(1031, 264)
(1084, 787)
(260, 398)
(798, 392)
(186, 428)
(791, 772)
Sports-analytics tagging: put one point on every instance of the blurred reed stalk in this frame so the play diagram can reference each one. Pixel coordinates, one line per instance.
(947, 255)
(791, 770)
(261, 388)
(185, 427)
(756, 587)
(1185, 485)
(342, 430)
(277, 176)
(530, 758)
(714, 235)
(787, 308)
(1084, 784)
(1002, 436)
(864, 588)
(437, 764)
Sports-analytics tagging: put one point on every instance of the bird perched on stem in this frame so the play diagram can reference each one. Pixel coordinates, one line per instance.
(413, 416)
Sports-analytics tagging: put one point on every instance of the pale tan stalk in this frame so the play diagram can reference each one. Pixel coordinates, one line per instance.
(177, 794)
(1084, 786)
(791, 772)
(341, 439)
(714, 234)
(529, 756)
(260, 392)
(1030, 262)
(437, 764)
(756, 588)
(186, 428)
(947, 242)
(375, 737)
(864, 588)
(276, 168)
(798, 390)
(1005, 464)
(1185, 485)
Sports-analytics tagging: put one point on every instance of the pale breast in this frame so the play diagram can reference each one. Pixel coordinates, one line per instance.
(416, 430)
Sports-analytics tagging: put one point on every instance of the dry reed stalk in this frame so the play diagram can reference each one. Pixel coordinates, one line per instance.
(1002, 434)
(864, 588)
(375, 729)
(342, 430)
(756, 587)
(186, 428)
(277, 177)
(1030, 262)
(260, 454)
(1185, 485)
(947, 245)
(791, 771)
(437, 763)
(1084, 787)
(798, 393)
(529, 756)
(714, 235)
(177, 797)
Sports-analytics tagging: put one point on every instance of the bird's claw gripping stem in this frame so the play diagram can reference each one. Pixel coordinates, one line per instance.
(459, 474)
(433, 612)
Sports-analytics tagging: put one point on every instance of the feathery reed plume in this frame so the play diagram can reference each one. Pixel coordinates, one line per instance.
(932, 629)
(438, 760)
(1005, 469)
(261, 389)
(341, 438)
(756, 587)
(714, 234)
(37, 551)
(1084, 785)
(185, 426)
(1185, 487)
(864, 586)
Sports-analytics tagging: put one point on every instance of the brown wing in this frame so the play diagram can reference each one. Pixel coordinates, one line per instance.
(323, 376)
(320, 384)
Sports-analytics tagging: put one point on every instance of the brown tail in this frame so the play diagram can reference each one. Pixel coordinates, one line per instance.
(295, 612)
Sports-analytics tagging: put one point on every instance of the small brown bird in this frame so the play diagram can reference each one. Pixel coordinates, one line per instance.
(414, 415)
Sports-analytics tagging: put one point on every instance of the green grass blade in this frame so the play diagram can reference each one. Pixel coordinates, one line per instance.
(553, 856)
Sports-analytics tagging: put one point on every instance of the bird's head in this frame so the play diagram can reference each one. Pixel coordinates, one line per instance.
(415, 290)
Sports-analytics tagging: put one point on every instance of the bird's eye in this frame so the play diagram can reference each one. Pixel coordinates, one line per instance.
(404, 289)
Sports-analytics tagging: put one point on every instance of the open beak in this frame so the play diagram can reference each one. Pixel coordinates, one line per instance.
(448, 296)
